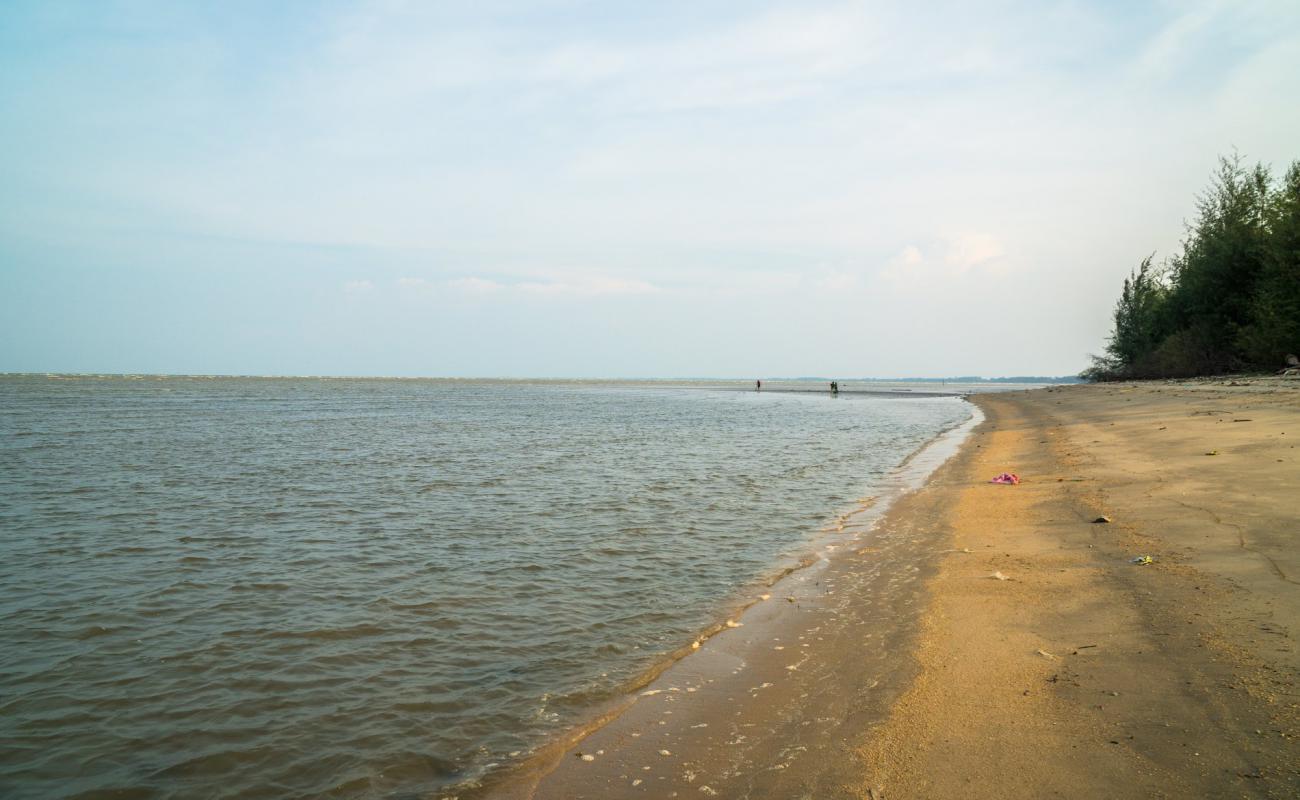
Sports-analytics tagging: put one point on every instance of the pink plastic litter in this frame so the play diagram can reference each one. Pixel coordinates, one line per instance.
(1008, 478)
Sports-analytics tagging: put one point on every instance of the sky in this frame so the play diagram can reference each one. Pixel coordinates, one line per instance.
(609, 189)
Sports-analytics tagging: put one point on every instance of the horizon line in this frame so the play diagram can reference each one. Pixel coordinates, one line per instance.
(322, 376)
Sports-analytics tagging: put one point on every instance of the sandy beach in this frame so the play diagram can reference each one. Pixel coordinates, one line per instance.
(998, 641)
(1083, 673)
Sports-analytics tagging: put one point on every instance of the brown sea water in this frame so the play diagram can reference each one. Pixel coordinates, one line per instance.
(240, 587)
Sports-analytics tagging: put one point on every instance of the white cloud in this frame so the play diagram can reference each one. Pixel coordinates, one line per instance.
(968, 254)
(904, 267)
(972, 250)
(358, 287)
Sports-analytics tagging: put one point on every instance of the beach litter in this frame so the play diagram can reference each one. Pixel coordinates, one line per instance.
(1008, 478)
(1142, 560)
(1101, 520)
(1046, 655)
(998, 576)
(1213, 453)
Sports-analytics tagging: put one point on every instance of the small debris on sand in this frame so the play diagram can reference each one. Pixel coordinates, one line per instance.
(1102, 520)
(998, 576)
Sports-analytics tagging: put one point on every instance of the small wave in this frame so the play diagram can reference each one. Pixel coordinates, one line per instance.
(216, 764)
(360, 631)
(397, 605)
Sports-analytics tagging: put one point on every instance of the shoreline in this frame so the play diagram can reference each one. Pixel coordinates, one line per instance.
(695, 685)
(921, 674)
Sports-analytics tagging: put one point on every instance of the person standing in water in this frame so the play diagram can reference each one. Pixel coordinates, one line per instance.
(758, 386)
(835, 387)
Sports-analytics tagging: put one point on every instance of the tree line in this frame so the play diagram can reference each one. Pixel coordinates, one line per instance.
(1230, 300)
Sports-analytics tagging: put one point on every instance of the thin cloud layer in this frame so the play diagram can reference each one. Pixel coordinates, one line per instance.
(578, 286)
(795, 178)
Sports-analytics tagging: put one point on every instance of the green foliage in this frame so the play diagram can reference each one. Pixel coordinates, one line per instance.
(1274, 330)
(1139, 316)
(1230, 300)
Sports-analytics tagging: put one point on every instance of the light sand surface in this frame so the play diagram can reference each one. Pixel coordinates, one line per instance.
(904, 669)
(1083, 674)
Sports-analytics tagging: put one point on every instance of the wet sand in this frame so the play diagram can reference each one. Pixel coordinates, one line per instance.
(901, 667)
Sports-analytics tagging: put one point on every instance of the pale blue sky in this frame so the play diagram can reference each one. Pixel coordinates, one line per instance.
(608, 189)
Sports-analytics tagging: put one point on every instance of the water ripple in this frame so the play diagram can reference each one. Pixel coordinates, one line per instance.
(336, 588)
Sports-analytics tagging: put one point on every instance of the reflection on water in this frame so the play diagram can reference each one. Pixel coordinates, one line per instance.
(270, 587)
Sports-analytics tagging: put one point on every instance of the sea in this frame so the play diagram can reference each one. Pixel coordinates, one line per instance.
(355, 588)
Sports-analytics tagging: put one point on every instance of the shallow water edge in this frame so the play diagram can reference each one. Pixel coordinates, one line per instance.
(723, 656)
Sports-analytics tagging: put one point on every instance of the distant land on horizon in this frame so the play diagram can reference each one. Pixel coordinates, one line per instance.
(957, 379)
(980, 379)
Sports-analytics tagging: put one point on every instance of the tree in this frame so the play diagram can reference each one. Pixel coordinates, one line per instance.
(1274, 331)
(1214, 279)
(1230, 299)
(1139, 317)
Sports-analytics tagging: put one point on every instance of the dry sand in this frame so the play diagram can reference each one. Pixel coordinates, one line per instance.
(1085, 674)
(904, 669)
